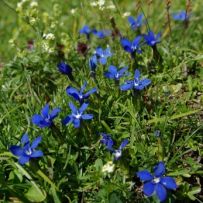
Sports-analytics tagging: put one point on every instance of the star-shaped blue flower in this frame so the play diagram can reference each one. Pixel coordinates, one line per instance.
(151, 39)
(65, 69)
(132, 47)
(86, 31)
(46, 118)
(77, 115)
(114, 73)
(103, 54)
(108, 142)
(136, 23)
(79, 95)
(157, 183)
(93, 63)
(180, 16)
(137, 83)
(27, 150)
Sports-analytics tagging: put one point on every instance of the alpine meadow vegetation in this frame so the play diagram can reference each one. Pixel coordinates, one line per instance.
(101, 101)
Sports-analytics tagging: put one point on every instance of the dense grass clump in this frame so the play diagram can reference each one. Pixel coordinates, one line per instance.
(101, 101)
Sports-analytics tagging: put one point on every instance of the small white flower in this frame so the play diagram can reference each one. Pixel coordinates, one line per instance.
(73, 10)
(93, 4)
(108, 167)
(49, 36)
(101, 3)
(33, 4)
(111, 6)
(126, 14)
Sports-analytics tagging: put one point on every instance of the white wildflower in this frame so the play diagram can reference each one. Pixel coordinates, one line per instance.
(73, 10)
(108, 167)
(126, 14)
(49, 36)
(33, 4)
(93, 4)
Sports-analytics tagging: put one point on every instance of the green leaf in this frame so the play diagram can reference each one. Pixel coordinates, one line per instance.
(194, 191)
(35, 194)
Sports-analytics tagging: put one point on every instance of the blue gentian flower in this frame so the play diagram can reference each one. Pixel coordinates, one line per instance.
(86, 31)
(137, 84)
(136, 23)
(151, 39)
(77, 115)
(108, 142)
(79, 95)
(132, 47)
(46, 118)
(27, 150)
(180, 16)
(102, 54)
(101, 33)
(65, 69)
(114, 73)
(93, 63)
(157, 183)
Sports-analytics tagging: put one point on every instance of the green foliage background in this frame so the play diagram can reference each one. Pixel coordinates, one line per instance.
(71, 170)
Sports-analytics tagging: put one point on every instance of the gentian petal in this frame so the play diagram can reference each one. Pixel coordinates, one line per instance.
(36, 142)
(36, 119)
(109, 75)
(103, 60)
(16, 150)
(54, 113)
(161, 192)
(144, 175)
(107, 52)
(112, 69)
(122, 70)
(139, 20)
(23, 159)
(36, 154)
(76, 123)
(123, 144)
(73, 108)
(136, 41)
(137, 74)
(83, 87)
(126, 86)
(126, 44)
(131, 20)
(24, 139)
(71, 90)
(87, 116)
(45, 111)
(83, 107)
(149, 188)
(93, 62)
(67, 120)
(87, 94)
(169, 183)
(159, 169)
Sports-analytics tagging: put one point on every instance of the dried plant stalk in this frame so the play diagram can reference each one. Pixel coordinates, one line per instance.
(168, 17)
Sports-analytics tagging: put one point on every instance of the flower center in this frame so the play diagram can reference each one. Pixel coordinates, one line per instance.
(117, 154)
(80, 96)
(136, 82)
(29, 151)
(78, 115)
(117, 75)
(134, 48)
(156, 180)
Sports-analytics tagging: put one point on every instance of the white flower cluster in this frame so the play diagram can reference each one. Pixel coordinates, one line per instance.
(108, 167)
(49, 36)
(101, 4)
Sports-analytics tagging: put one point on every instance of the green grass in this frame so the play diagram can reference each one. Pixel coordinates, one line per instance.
(71, 168)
